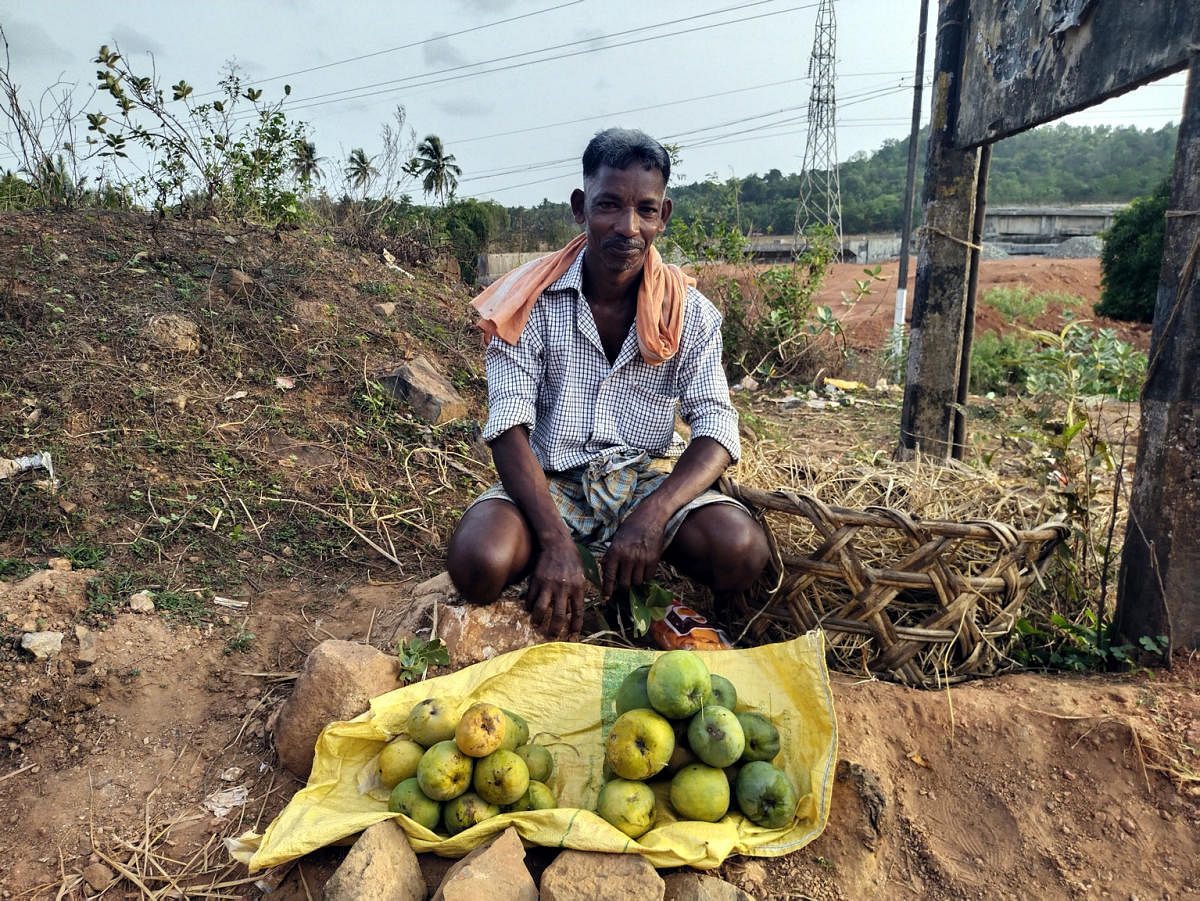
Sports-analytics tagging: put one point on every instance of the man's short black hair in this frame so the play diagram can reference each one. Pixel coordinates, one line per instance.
(617, 148)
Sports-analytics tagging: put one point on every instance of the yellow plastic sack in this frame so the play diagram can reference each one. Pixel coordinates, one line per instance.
(565, 692)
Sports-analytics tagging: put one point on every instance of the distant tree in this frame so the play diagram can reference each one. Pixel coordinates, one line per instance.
(359, 168)
(1131, 258)
(438, 168)
(306, 165)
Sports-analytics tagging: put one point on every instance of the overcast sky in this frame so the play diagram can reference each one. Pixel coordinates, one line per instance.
(515, 88)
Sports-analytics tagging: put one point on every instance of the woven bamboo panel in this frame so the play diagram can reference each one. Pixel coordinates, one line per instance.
(922, 602)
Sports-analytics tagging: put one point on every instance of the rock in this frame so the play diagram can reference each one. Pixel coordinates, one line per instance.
(580, 875)
(474, 633)
(174, 331)
(337, 682)
(380, 867)
(427, 391)
(239, 281)
(687, 885)
(748, 383)
(87, 645)
(385, 310)
(315, 312)
(42, 645)
(141, 602)
(755, 873)
(494, 870)
(59, 564)
(230, 239)
(98, 876)
(61, 258)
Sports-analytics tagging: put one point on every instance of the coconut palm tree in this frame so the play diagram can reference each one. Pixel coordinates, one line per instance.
(359, 169)
(440, 171)
(306, 165)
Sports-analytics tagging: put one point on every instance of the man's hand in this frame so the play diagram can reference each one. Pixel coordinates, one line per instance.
(556, 590)
(634, 552)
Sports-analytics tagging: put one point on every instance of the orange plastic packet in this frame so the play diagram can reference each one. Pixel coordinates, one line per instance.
(683, 628)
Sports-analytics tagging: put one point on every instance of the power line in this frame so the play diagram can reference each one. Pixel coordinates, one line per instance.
(414, 81)
(409, 46)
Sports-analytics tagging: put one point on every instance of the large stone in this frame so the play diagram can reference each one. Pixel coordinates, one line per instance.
(584, 876)
(494, 870)
(141, 602)
(688, 885)
(87, 645)
(98, 876)
(42, 645)
(337, 682)
(473, 633)
(174, 331)
(380, 867)
(427, 391)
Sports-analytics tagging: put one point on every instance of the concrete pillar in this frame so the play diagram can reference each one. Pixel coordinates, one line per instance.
(936, 348)
(1159, 587)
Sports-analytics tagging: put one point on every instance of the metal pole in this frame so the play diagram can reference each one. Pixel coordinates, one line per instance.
(909, 189)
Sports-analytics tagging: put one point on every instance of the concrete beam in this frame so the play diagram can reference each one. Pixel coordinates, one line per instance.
(1035, 60)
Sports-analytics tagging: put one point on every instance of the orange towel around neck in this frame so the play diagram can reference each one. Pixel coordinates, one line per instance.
(505, 305)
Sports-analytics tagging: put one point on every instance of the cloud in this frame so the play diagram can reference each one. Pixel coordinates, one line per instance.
(465, 106)
(486, 6)
(29, 44)
(134, 43)
(440, 52)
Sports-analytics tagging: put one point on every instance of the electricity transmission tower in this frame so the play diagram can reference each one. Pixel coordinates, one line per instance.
(820, 193)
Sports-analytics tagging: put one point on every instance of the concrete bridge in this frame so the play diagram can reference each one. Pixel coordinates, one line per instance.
(1019, 230)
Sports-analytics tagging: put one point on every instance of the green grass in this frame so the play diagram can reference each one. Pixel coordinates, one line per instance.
(179, 605)
(11, 568)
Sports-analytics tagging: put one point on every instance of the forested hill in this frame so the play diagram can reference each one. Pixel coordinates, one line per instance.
(1050, 165)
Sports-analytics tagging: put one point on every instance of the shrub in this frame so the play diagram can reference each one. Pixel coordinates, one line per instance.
(1131, 258)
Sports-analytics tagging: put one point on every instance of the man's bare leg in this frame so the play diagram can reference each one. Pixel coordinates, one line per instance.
(722, 547)
(490, 549)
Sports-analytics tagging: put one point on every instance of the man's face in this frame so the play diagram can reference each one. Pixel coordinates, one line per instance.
(623, 211)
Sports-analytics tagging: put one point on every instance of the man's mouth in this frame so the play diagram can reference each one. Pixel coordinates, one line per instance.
(622, 249)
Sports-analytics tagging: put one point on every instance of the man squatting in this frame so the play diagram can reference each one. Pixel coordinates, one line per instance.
(592, 350)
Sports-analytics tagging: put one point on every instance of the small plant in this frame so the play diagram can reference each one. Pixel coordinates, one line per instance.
(12, 568)
(1017, 304)
(1081, 647)
(83, 554)
(416, 655)
(239, 644)
(186, 606)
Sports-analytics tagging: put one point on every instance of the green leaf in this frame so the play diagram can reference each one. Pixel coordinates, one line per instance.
(638, 613)
(591, 569)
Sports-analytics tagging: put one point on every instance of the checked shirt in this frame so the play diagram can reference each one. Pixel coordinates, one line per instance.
(558, 383)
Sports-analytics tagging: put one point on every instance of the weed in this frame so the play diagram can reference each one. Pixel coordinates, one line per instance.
(416, 655)
(83, 554)
(1081, 647)
(12, 568)
(376, 289)
(182, 605)
(239, 643)
(1016, 304)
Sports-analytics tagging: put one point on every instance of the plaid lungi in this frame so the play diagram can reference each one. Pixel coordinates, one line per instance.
(594, 500)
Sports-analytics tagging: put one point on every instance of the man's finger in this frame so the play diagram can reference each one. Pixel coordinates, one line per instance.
(540, 609)
(576, 615)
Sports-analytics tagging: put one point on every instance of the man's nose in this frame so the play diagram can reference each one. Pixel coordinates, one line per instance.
(627, 222)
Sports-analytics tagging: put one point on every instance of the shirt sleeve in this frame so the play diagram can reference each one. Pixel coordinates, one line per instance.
(703, 391)
(513, 374)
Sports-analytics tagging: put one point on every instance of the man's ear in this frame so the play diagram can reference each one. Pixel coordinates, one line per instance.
(577, 200)
(666, 215)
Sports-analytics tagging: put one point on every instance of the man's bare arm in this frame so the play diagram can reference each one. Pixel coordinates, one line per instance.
(638, 545)
(557, 583)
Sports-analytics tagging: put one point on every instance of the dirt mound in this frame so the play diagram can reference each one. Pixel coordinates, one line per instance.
(244, 468)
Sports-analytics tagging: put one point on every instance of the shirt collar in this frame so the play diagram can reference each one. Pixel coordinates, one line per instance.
(572, 279)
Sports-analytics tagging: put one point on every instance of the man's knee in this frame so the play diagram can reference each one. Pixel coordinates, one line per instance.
(488, 550)
(721, 544)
